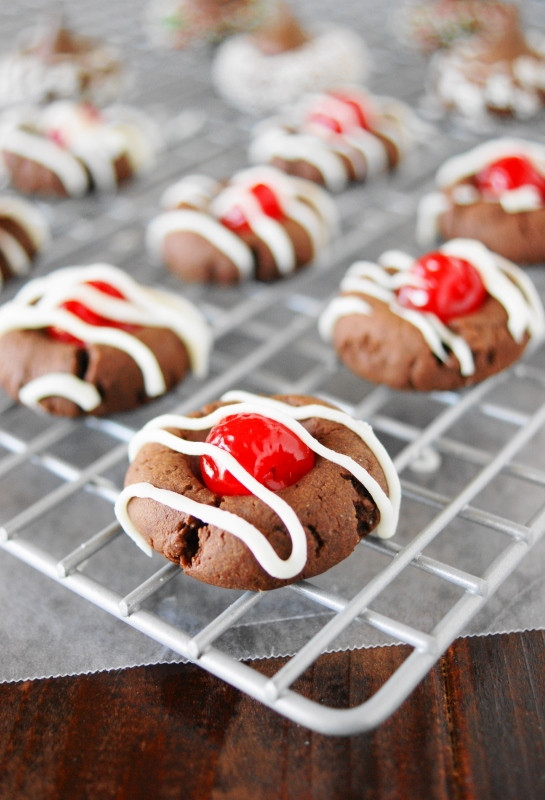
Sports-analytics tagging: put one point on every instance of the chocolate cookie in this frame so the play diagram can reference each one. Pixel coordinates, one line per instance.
(69, 149)
(92, 340)
(247, 508)
(433, 26)
(447, 320)
(261, 224)
(499, 71)
(336, 137)
(279, 61)
(494, 193)
(54, 62)
(23, 233)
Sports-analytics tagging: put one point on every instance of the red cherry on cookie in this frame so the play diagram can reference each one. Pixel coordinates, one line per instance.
(339, 112)
(361, 113)
(267, 449)
(447, 286)
(325, 121)
(511, 172)
(268, 201)
(89, 316)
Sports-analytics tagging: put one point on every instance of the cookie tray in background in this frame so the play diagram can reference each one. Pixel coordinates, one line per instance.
(472, 464)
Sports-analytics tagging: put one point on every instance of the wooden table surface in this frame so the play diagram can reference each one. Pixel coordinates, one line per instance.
(474, 728)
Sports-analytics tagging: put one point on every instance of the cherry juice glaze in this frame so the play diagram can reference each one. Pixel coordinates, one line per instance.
(243, 402)
(502, 279)
(39, 305)
(300, 200)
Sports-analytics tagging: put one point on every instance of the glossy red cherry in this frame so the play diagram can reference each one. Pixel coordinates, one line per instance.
(87, 315)
(268, 450)
(361, 113)
(323, 115)
(268, 201)
(325, 121)
(511, 172)
(450, 287)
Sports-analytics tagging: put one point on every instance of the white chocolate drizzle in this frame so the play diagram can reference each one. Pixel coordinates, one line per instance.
(38, 305)
(195, 190)
(290, 416)
(294, 137)
(193, 221)
(502, 280)
(91, 143)
(26, 217)
(515, 86)
(300, 200)
(60, 384)
(473, 161)
(464, 167)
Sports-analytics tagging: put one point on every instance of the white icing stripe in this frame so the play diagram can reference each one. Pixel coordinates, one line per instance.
(502, 280)
(17, 318)
(196, 190)
(525, 198)
(268, 229)
(37, 304)
(473, 161)
(145, 305)
(242, 402)
(225, 520)
(299, 136)
(292, 147)
(299, 200)
(60, 384)
(337, 308)
(99, 162)
(513, 84)
(206, 226)
(372, 149)
(68, 169)
(245, 402)
(430, 208)
(310, 221)
(274, 235)
(326, 208)
(72, 140)
(28, 217)
(17, 258)
(288, 189)
(535, 308)
(522, 311)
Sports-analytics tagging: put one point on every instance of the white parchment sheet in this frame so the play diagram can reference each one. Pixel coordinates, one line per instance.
(46, 629)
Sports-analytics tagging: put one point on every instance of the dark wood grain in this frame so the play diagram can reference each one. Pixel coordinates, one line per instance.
(474, 728)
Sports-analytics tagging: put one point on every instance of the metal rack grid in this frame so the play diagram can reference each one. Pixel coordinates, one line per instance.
(471, 463)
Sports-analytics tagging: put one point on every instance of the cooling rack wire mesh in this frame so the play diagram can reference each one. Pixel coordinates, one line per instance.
(471, 463)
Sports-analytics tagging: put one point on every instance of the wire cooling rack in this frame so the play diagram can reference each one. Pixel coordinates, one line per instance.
(471, 463)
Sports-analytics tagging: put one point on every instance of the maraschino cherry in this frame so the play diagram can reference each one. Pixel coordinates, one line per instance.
(79, 119)
(235, 218)
(447, 286)
(508, 173)
(267, 449)
(87, 315)
(353, 112)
